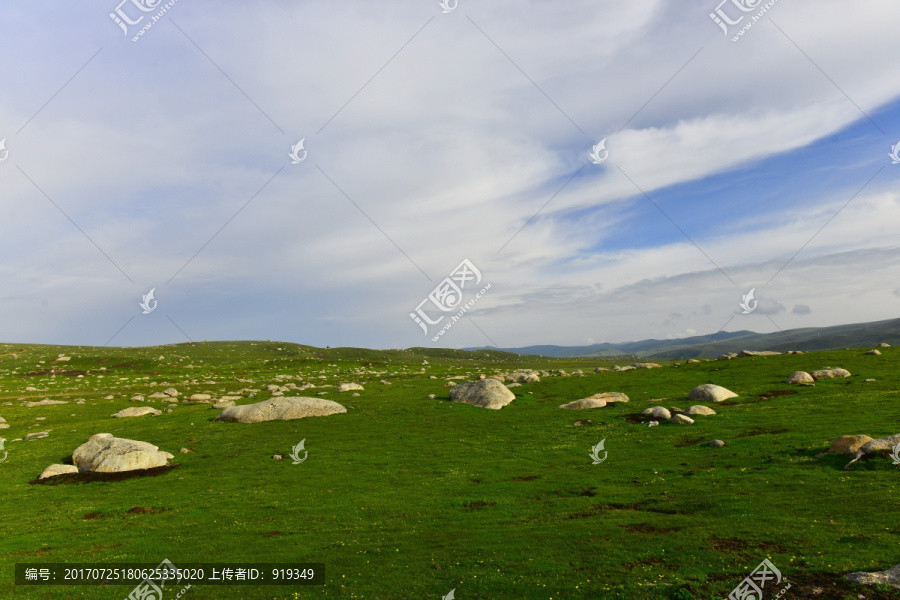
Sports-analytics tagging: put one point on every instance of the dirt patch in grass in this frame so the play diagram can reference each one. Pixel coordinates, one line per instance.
(776, 393)
(648, 529)
(478, 505)
(762, 431)
(645, 506)
(646, 562)
(90, 515)
(689, 441)
(70, 478)
(526, 478)
(144, 510)
(744, 547)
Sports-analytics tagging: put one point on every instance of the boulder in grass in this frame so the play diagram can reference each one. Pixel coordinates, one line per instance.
(709, 392)
(884, 345)
(682, 420)
(485, 393)
(171, 392)
(889, 577)
(800, 377)
(874, 352)
(137, 411)
(830, 374)
(717, 444)
(523, 377)
(281, 408)
(699, 409)
(657, 412)
(104, 453)
(595, 401)
(727, 356)
(45, 402)
(350, 387)
(36, 436)
(883, 445)
(54, 470)
(200, 398)
(849, 444)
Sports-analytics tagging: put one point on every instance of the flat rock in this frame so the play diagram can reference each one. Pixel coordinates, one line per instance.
(884, 345)
(830, 374)
(727, 356)
(349, 387)
(699, 409)
(693, 361)
(657, 412)
(849, 444)
(137, 411)
(37, 435)
(800, 377)
(595, 401)
(682, 420)
(874, 352)
(885, 444)
(159, 395)
(890, 577)
(54, 470)
(200, 398)
(646, 366)
(601, 370)
(709, 392)
(485, 393)
(758, 353)
(280, 409)
(45, 402)
(223, 404)
(104, 453)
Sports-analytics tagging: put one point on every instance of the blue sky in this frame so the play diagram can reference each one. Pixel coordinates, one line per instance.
(434, 138)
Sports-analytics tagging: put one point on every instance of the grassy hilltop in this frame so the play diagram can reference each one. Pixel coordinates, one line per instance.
(409, 497)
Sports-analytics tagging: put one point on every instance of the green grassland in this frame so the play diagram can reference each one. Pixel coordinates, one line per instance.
(409, 497)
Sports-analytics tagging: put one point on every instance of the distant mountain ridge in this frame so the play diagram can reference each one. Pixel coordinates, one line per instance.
(856, 335)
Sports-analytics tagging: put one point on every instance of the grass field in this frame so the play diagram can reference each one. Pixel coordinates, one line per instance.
(410, 497)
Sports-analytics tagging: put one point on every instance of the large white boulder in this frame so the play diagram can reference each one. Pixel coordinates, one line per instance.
(280, 408)
(709, 392)
(485, 393)
(104, 453)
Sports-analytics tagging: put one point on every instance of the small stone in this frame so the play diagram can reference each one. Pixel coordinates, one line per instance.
(432, 396)
(186, 451)
(583, 422)
(277, 457)
(657, 412)
(682, 420)
(717, 444)
(36, 436)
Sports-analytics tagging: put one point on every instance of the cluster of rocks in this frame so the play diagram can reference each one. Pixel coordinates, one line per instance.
(104, 453)
(676, 415)
(745, 353)
(802, 377)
